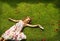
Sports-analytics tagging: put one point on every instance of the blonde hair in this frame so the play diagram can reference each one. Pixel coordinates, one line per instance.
(27, 17)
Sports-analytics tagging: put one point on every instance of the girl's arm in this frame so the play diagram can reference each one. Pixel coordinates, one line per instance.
(13, 20)
(38, 25)
(31, 25)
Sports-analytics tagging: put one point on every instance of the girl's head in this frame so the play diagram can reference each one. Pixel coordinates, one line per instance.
(27, 19)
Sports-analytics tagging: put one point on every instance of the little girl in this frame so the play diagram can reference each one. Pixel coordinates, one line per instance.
(15, 32)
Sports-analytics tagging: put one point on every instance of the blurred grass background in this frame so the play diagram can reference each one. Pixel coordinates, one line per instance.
(44, 12)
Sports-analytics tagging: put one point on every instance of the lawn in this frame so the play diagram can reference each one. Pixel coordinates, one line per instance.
(42, 12)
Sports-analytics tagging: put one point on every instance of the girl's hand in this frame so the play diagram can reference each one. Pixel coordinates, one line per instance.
(9, 18)
(40, 26)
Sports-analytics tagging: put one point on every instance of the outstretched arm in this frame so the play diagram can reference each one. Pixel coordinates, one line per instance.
(31, 25)
(13, 20)
(35, 26)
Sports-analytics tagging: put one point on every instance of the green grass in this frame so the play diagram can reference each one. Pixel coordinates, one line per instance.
(42, 12)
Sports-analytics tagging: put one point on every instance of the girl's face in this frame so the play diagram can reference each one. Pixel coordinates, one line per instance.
(27, 20)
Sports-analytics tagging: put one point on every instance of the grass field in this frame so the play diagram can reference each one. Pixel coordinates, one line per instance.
(44, 12)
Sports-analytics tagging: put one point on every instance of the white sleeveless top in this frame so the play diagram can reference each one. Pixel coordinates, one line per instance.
(18, 26)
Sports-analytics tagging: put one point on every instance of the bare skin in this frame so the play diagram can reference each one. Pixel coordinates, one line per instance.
(26, 23)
